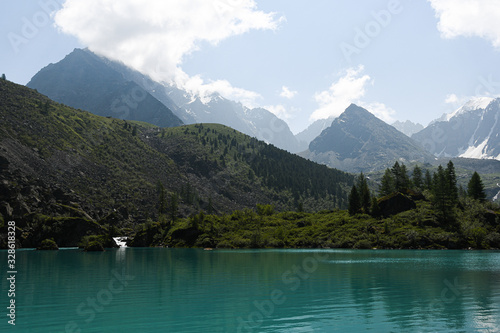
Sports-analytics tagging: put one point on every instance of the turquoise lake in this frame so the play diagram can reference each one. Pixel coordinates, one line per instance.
(187, 290)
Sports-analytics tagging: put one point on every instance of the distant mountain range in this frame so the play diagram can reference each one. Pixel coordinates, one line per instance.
(472, 131)
(407, 127)
(312, 132)
(359, 141)
(356, 141)
(87, 81)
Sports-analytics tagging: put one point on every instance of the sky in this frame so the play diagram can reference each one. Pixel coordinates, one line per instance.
(302, 60)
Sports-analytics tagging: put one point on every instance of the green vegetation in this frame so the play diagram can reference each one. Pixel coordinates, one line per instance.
(48, 244)
(67, 173)
(79, 179)
(478, 227)
(438, 218)
(475, 188)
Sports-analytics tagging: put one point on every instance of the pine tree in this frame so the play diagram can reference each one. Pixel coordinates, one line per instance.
(387, 184)
(354, 201)
(475, 188)
(4, 77)
(418, 181)
(364, 193)
(451, 183)
(404, 180)
(396, 173)
(428, 180)
(442, 198)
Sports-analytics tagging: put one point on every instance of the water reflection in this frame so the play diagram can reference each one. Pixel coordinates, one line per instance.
(231, 291)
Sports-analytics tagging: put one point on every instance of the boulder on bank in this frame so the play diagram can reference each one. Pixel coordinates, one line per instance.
(395, 203)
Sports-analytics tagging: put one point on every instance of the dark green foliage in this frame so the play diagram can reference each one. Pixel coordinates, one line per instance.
(375, 208)
(48, 244)
(174, 207)
(4, 77)
(417, 179)
(354, 201)
(451, 183)
(400, 176)
(413, 229)
(162, 201)
(94, 246)
(443, 195)
(387, 186)
(475, 188)
(265, 210)
(364, 193)
(428, 180)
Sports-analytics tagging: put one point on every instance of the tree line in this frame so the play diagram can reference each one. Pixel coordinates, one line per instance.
(440, 186)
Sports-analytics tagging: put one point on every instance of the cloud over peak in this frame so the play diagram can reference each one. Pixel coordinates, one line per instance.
(155, 36)
(350, 88)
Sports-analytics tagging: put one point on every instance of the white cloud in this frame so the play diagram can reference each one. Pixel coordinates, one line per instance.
(282, 111)
(287, 93)
(451, 99)
(154, 37)
(468, 18)
(348, 89)
(381, 111)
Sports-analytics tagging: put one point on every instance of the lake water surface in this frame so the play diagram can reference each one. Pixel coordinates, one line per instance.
(186, 290)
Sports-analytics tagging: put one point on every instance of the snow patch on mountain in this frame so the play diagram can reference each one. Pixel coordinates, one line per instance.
(477, 103)
(478, 151)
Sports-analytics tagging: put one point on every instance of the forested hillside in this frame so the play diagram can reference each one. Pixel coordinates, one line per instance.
(61, 166)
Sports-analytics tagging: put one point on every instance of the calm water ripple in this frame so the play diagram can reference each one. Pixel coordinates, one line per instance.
(184, 290)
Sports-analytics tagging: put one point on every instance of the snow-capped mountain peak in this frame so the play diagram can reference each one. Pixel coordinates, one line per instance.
(476, 103)
(472, 131)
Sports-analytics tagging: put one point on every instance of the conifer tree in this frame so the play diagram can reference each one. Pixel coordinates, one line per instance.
(404, 179)
(364, 193)
(387, 185)
(475, 188)
(396, 173)
(401, 179)
(428, 180)
(354, 201)
(451, 183)
(442, 200)
(418, 181)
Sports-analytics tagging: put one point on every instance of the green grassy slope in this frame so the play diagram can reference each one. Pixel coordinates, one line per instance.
(58, 162)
